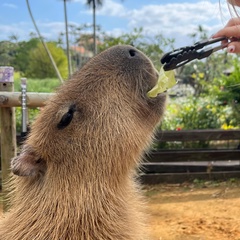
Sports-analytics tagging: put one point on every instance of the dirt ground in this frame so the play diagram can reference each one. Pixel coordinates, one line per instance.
(194, 211)
(199, 211)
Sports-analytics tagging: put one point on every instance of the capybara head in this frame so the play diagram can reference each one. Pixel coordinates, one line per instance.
(99, 121)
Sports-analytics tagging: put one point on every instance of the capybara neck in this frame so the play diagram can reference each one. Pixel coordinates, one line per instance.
(75, 177)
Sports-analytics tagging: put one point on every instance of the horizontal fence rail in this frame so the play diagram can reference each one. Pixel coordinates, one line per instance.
(198, 135)
(13, 99)
(152, 179)
(194, 155)
(179, 165)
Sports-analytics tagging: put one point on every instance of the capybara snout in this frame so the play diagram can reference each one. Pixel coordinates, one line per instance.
(128, 60)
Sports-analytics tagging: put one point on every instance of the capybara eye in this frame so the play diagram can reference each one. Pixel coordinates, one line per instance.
(67, 117)
(132, 52)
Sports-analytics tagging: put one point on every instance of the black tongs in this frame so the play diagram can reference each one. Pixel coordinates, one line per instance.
(181, 56)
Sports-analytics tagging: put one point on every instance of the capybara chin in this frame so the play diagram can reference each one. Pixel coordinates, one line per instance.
(76, 171)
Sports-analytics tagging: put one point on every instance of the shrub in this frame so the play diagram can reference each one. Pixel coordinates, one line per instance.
(196, 113)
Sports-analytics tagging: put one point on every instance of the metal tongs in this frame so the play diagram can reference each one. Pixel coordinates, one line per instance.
(181, 56)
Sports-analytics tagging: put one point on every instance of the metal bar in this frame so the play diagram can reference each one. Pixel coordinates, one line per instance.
(24, 106)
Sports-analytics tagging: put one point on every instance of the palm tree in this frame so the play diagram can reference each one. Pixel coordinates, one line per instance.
(94, 4)
(14, 37)
(67, 40)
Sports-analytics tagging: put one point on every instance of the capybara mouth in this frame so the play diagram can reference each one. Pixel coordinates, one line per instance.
(165, 81)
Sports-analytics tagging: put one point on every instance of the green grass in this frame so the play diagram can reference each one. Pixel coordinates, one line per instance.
(37, 85)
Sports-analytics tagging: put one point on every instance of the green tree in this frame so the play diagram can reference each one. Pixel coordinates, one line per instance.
(7, 53)
(200, 74)
(40, 65)
(21, 61)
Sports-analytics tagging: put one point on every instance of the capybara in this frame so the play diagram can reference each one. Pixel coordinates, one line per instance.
(75, 178)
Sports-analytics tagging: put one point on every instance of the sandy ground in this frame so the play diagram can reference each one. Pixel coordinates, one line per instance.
(194, 211)
(202, 211)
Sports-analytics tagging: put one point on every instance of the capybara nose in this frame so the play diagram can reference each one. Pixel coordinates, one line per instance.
(132, 52)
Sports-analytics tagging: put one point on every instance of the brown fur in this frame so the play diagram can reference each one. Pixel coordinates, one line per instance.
(77, 182)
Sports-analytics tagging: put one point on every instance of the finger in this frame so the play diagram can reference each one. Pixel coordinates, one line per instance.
(234, 2)
(233, 47)
(233, 22)
(233, 31)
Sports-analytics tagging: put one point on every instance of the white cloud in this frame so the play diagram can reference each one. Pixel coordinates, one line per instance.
(179, 20)
(174, 20)
(50, 30)
(21, 29)
(109, 8)
(10, 5)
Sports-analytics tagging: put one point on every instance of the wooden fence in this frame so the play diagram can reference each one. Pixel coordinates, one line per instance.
(188, 162)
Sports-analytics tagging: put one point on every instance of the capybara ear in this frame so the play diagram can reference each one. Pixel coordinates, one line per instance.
(28, 163)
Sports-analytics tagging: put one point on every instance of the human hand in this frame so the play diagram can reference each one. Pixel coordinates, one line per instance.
(234, 2)
(231, 30)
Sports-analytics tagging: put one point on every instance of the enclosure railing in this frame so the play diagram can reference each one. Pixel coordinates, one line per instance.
(193, 154)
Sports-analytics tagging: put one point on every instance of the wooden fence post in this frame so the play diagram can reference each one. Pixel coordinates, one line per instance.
(8, 130)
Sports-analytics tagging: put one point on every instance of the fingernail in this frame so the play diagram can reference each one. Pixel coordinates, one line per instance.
(231, 49)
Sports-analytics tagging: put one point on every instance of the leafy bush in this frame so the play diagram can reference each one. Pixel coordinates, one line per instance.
(47, 85)
(196, 113)
(227, 91)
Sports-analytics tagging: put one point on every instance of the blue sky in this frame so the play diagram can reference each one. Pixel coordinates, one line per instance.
(172, 18)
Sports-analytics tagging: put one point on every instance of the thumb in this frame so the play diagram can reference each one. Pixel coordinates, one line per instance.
(233, 47)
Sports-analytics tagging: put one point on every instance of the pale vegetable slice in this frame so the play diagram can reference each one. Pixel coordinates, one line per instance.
(165, 81)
